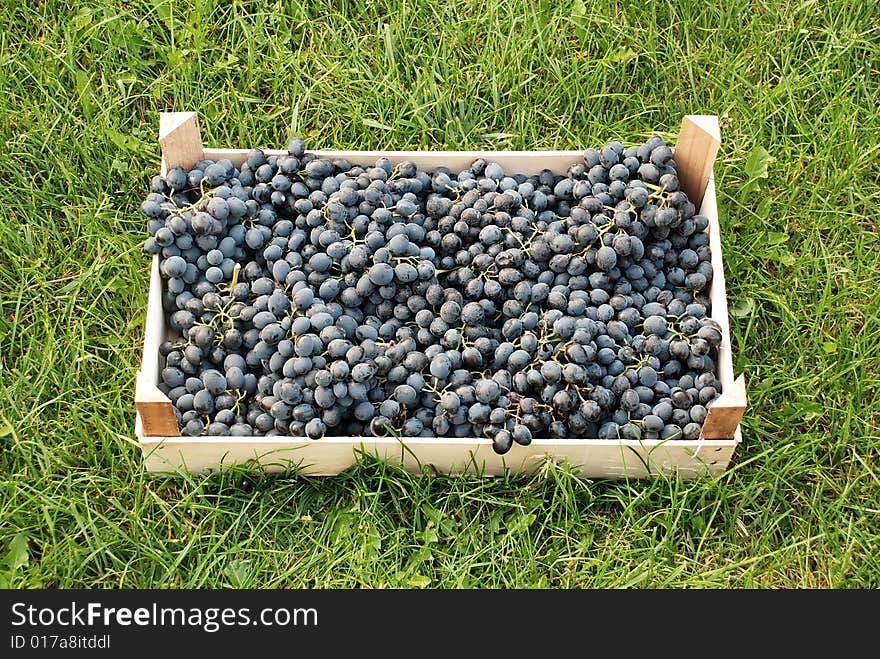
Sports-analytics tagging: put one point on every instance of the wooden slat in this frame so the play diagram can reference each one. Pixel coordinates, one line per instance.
(695, 152)
(331, 455)
(157, 417)
(180, 139)
(154, 408)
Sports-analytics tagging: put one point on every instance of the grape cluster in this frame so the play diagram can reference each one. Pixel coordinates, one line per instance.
(312, 297)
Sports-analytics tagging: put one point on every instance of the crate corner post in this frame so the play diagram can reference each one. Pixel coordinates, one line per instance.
(725, 414)
(695, 151)
(180, 140)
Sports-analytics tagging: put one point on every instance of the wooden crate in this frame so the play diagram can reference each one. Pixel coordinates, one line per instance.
(164, 450)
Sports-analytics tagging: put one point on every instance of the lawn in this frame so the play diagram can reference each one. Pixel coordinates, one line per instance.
(80, 92)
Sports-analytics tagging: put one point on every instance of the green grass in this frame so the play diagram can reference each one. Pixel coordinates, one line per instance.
(80, 92)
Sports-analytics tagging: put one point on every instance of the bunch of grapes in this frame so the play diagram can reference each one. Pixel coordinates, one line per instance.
(312, 297)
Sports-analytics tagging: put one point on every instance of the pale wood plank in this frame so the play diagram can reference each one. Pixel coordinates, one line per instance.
(725, 413)
(180, 139)
(331, 455)
(154, 408)
(718, 287)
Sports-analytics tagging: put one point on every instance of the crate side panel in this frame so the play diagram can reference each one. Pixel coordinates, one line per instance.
(726, 412)
(718, 289)
(154, 327)
(589, 458)
(695, 150)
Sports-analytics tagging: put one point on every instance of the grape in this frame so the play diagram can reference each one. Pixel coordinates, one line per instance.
(494, 171)
(296, 147)
(502, 442)
(450, 401)
(413, 428)
(629, 400)
(379, 426)
(324, 397)
(518, 360)
(215, 382)
(655, 325)
(174, 266)
(381, 274)
(193, 427)
(406, 395)
(389, 408)
(618, 172)
(440, 366)
(661, 155)
(173, 377)
(203, 402)
(647, 376)
(698, 414)
(363, 372)
(606, 258)
(315, 428)
(450, 312)
(521, 434)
